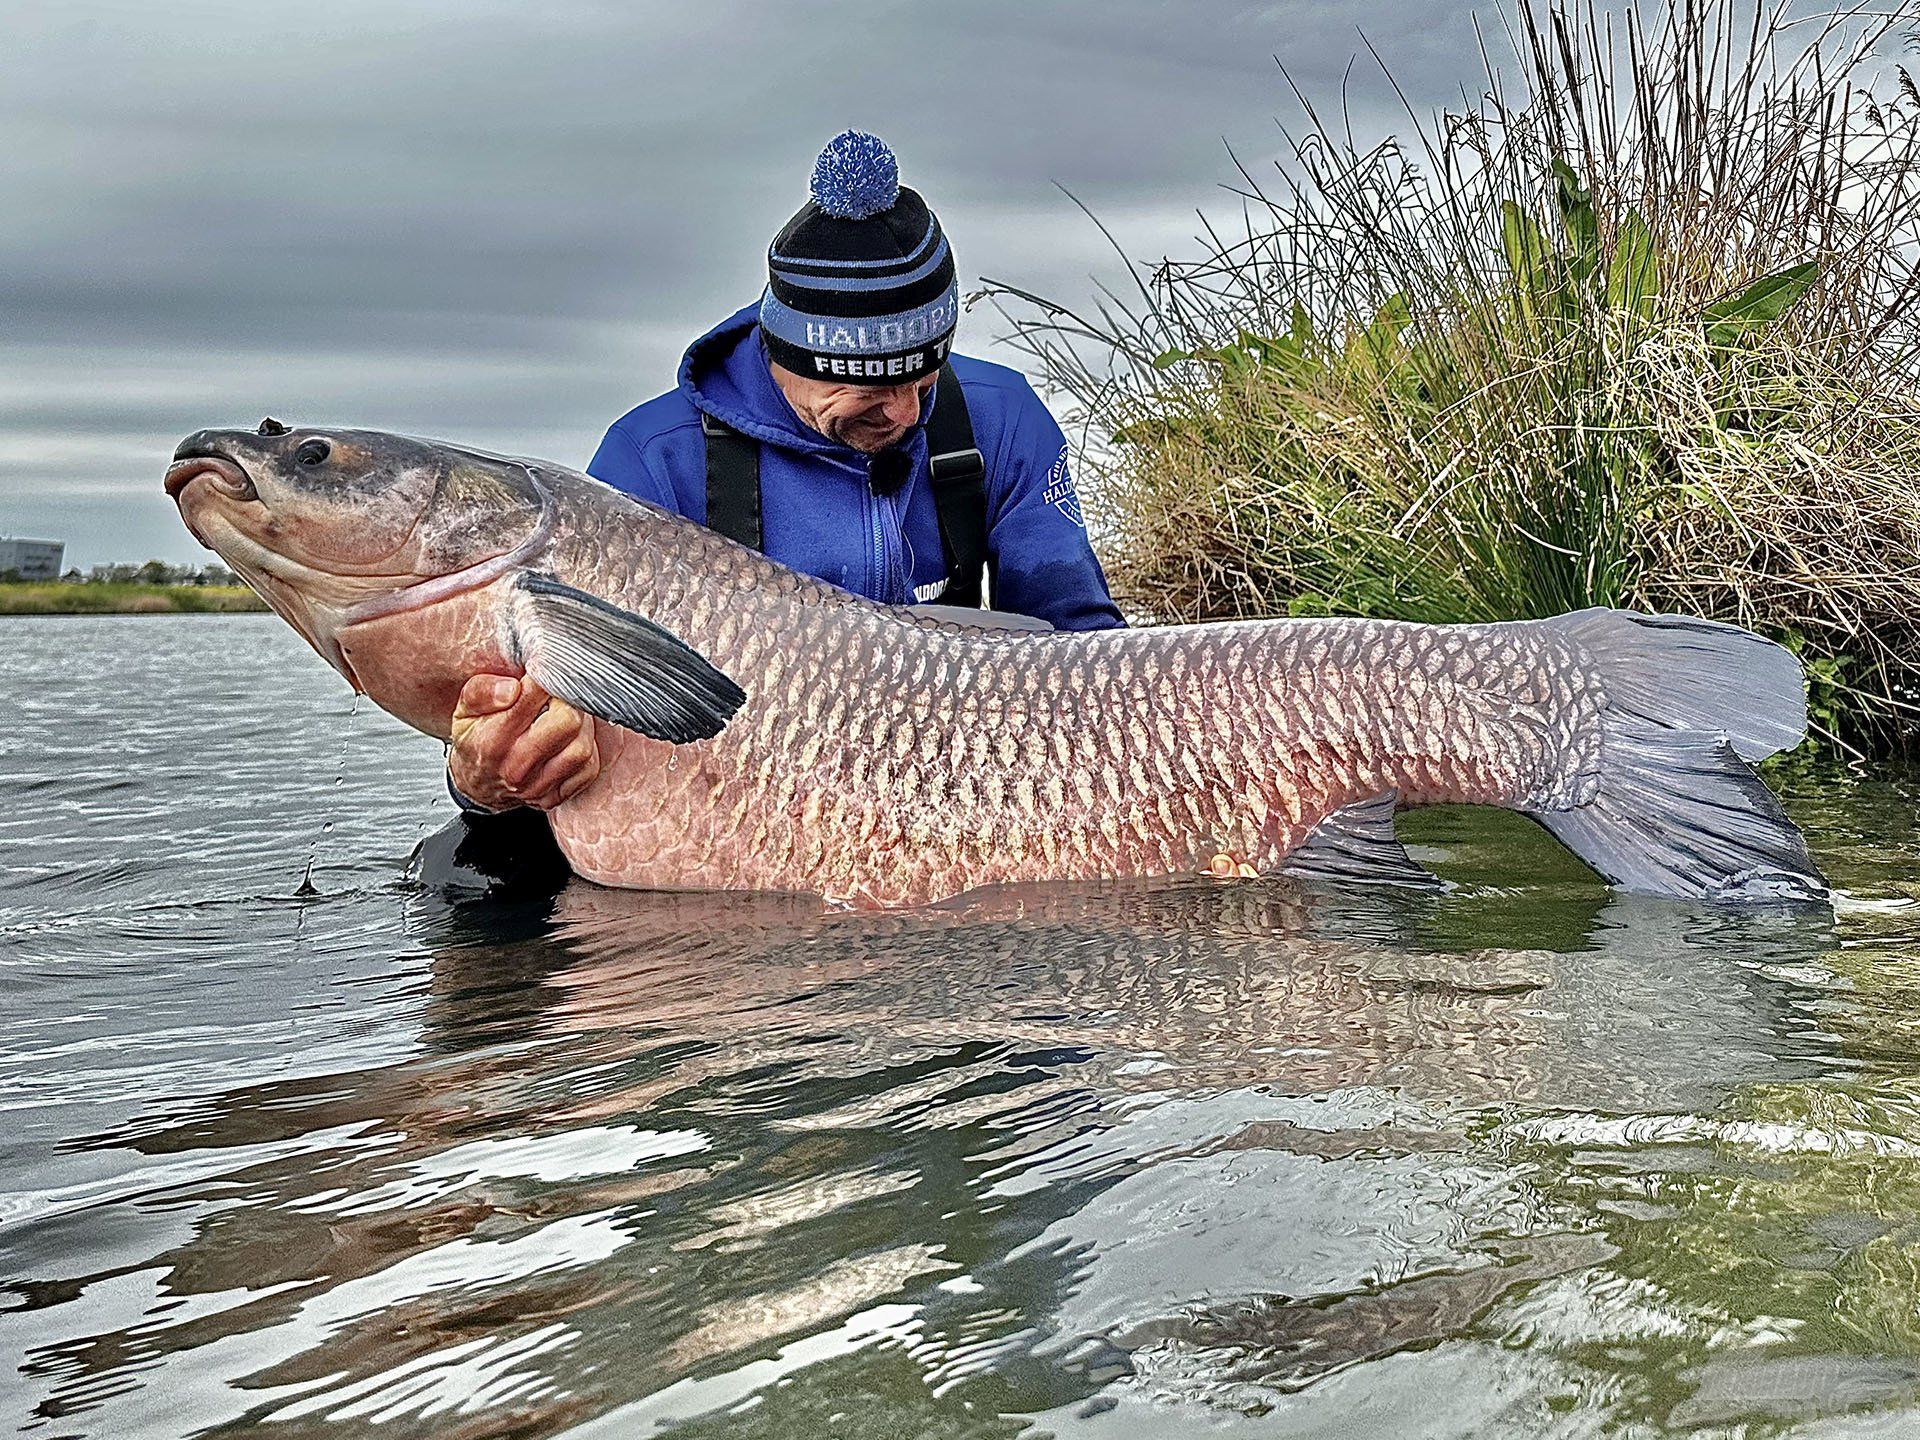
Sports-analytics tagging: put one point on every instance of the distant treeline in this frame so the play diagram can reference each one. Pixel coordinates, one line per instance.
(83, 595)
(153, 572)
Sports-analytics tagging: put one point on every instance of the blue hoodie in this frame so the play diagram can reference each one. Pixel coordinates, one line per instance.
(818, 513)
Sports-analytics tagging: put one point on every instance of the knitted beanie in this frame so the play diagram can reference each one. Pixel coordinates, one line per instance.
(861, 287)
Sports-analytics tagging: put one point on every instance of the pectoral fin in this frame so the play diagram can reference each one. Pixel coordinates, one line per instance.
(617, 665)
(1357, 842)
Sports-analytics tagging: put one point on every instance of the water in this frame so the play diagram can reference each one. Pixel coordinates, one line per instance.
(1525, 1160)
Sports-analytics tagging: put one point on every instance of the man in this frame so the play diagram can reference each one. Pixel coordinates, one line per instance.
(829, 426)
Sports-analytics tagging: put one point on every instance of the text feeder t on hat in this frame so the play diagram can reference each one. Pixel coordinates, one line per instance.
(861, 286)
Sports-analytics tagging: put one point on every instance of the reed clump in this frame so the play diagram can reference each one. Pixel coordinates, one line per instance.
(1636, 327)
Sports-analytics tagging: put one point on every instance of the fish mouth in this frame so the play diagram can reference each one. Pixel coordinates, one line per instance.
(224, 474)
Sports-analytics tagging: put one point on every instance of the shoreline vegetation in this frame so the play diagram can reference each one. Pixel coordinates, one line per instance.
(94, 597)
(1633, 326)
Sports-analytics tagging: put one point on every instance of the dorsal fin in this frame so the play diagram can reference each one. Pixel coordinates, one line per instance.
(976, 619)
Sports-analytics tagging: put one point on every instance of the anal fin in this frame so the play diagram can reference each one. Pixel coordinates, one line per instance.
(1356, 842)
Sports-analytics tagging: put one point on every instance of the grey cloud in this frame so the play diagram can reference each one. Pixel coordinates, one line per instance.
(500, 223)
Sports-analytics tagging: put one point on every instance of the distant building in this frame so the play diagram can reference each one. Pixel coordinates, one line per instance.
(32, 559)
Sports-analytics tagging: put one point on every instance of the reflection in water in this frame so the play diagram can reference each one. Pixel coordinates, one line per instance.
(1219, 985)
(1215, 1140)
(1121, 1161)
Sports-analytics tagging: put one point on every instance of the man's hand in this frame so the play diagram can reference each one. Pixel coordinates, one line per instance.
(513, 744)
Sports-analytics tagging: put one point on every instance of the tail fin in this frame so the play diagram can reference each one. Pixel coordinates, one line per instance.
(1678, 809)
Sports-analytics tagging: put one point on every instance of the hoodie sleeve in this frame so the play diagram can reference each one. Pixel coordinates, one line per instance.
(1039, 558)
(619, 463)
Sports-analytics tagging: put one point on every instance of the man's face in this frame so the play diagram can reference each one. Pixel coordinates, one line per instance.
(867, 418)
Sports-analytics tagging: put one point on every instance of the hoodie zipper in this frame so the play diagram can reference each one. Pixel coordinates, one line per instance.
(894, 557)
(877, 576)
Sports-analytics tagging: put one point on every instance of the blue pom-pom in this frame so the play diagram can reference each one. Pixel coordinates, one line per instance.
(855, 176)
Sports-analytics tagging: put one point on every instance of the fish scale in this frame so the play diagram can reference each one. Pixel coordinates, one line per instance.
(873, 717)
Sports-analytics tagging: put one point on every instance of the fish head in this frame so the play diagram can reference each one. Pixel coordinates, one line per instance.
(331, 526)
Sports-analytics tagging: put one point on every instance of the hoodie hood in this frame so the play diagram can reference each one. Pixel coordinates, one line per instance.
(725, 373)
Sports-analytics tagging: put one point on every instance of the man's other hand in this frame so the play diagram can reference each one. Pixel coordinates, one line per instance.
(513, 744)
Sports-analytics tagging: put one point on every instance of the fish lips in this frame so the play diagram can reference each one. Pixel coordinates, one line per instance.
(221, 473)
(226, 475)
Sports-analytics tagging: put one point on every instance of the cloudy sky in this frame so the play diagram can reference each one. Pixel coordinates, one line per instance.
(501, 223)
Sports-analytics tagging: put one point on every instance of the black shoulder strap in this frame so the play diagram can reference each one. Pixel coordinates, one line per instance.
(955, 467)
(959, 476)
(733, 482)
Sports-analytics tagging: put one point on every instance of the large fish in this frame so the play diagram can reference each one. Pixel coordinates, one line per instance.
(760, 730)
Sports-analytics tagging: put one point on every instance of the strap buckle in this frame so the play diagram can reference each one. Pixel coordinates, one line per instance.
(709, 425)
(954, 465)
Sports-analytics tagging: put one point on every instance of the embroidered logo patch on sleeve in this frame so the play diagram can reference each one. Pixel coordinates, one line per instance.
(1059, 491)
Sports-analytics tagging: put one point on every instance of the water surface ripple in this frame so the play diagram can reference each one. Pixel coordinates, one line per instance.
(288, 1140)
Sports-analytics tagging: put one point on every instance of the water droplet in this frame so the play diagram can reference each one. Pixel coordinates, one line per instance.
(339, 782)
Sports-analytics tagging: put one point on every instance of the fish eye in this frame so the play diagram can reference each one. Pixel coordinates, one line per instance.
(312, 452)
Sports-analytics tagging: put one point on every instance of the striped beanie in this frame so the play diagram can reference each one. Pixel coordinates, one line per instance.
(861, 287)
